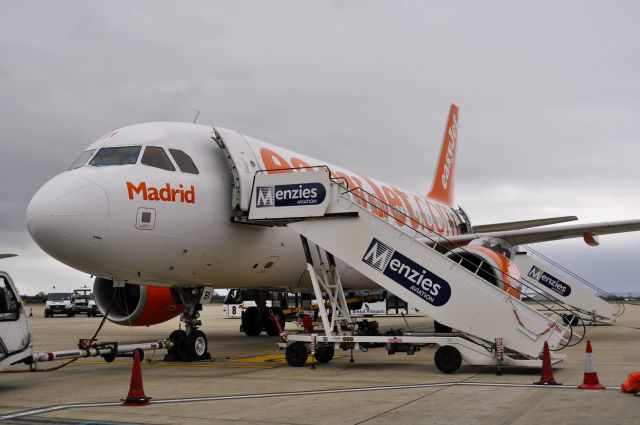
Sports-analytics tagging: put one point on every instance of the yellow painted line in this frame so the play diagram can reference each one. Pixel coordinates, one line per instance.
(231, 353)
(273, 358)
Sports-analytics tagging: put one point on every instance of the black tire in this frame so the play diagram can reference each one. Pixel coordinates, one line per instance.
(269, 326)
(46, 314)
(140, 354)
(440, 328)
(251, 322)
(177, 337)
(296, 354)
(447, 359)
(109, 357)
(324, 353)
(196, 344)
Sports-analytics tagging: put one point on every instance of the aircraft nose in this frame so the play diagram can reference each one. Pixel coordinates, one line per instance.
(67, 218)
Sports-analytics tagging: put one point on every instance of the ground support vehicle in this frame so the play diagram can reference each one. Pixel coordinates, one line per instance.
(15, 335)
(496, 326)
(59, 301)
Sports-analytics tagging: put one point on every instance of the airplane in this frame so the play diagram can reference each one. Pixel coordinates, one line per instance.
(155, 212)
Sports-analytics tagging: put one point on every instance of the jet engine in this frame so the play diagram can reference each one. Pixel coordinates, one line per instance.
(135, 305)
(492, 266)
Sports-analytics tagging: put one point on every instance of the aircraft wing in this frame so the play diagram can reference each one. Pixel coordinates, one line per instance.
(516, 225)
(528, 236)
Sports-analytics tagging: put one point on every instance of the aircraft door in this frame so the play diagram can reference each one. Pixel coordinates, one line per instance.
(242, 163)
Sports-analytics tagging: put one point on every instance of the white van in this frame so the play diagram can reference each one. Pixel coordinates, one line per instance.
(59, 301)
(15, 336)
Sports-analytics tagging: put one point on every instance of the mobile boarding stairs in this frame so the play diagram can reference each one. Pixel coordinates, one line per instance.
(577, 299)
(495, 328)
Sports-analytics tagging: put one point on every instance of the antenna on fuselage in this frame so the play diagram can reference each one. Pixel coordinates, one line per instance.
(195, 120)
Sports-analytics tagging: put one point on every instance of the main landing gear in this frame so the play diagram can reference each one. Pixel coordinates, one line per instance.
(256, 319)
(189, 344)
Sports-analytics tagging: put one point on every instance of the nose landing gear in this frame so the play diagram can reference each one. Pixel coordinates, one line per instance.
(191, 344)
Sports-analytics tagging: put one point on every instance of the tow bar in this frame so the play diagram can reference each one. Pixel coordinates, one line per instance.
(107, 350)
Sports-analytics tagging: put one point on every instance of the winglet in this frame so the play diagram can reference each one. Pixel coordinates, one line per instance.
(444, 178)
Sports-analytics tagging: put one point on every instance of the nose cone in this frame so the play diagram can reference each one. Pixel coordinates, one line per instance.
(67, 218)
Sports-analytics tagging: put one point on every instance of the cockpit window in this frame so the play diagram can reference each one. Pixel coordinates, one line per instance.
(120, 155)
(155, 156)
(82, 159)
(184, 161)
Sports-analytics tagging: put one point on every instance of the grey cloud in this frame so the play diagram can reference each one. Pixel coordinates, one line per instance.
(548, 91)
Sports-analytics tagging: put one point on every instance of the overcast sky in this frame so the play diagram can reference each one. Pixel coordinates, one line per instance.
(549, 97)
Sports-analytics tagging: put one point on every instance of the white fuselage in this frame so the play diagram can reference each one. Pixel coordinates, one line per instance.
(142, 224)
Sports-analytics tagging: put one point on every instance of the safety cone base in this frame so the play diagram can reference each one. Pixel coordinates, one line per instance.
(135, 401)
(591, 387)
(547, 383)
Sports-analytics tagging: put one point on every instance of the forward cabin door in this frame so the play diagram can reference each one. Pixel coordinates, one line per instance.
(242, 163)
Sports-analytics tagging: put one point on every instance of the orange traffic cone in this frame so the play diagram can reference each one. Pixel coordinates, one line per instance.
(590, 381)
(546, 378)
(136, 395)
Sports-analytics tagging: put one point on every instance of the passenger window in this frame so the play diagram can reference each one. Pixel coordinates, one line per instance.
(155, 156)
(120, 155)
(82, 159)
(184, 161)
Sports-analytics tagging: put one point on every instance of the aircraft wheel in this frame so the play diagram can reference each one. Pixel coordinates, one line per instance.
(269, 326)
(196, 344)
(448, 359)
(177, 338)
(251, 322)
(324, 353)
(296, 354)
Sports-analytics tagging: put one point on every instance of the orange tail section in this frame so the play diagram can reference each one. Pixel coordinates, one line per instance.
(444, 178)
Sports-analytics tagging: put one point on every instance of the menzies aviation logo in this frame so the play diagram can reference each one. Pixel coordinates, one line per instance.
(286, 195)
(549, 281)
(407, 273)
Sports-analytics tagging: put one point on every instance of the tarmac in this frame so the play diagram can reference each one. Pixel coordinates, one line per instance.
(248, 381)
